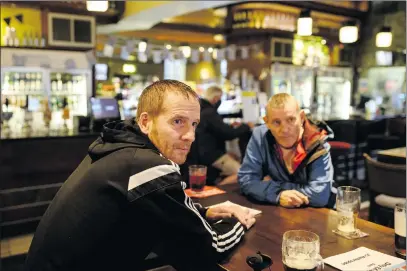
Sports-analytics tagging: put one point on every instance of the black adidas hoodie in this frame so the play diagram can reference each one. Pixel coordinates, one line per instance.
(123, 201)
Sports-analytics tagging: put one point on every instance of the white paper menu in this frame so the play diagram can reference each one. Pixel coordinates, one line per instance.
(364, 259)
(253, 212)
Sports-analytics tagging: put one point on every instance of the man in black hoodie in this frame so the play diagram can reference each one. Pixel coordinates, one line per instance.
(126, 197)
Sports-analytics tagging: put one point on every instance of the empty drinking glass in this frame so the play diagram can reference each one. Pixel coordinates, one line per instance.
(347, 206)
(301, 251)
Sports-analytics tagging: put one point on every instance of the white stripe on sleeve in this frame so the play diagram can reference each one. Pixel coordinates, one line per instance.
(150, 174)
(219, 241)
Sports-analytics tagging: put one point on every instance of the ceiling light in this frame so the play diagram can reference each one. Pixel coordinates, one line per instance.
(142, 46)
(304, 23)
(186, 50)
(218, 37)
(348, 33)
(384, 37)
(98, 6)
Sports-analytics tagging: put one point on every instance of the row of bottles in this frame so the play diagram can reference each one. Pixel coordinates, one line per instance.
(60, 102)
(33, 102)
(23, 120)
(29, 39)
(14, 101)
(22, 82)
(67, 83)
(32, 82)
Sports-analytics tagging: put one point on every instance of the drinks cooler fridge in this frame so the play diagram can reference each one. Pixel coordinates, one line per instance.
(295, 80)
(334, 90)
(37, 81)
(325, 92)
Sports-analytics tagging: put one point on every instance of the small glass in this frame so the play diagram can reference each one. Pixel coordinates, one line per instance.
(400, 230)
(301, 250)
(197, 177)
(348, 207)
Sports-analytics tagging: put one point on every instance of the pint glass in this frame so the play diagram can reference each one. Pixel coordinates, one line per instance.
(400, 229)
(300, 251)
(347, 206)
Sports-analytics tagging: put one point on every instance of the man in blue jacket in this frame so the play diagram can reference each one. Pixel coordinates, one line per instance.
(287, 160)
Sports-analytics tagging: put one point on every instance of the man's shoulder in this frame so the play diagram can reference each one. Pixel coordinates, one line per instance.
(260, 131)
(150, 172)
(147, 158)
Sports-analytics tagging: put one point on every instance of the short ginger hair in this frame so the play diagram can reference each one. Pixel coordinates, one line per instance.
(152, 98)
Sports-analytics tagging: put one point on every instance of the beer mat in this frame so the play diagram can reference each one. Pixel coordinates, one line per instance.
(353, 235)
(207, 192)
(228, 203)
(364, 258)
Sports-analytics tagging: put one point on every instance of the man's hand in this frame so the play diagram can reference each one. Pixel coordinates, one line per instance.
(234, 156)
(225, 211)
(267, 178)
(292, 198)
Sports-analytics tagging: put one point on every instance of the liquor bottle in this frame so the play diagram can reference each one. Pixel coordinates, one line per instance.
(65, 112)
(6, 36)
(59, 82)
(30, 40)
(22, 83)
(42, 41)
(36, 40)
(32, 83)
(69, 86)
(16, 41)
(38, 82)
(16, 82)
(25, 40)
(47, 114)
(6, 104)
(11, 36)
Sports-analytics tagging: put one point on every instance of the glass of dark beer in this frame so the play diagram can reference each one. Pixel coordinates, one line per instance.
(197, 178)
(301, 251)
(400, 230)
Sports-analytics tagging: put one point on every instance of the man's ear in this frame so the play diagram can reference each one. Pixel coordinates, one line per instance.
(265, 119)
(303, 117)
(145, 123)
(266, 122)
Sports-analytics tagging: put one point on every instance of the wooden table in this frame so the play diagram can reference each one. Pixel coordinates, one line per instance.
(392, 156)
(266, 235)
(397, 152)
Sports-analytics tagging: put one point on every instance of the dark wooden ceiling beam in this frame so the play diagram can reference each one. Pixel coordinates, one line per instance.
(189, 27)
(315, 6)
